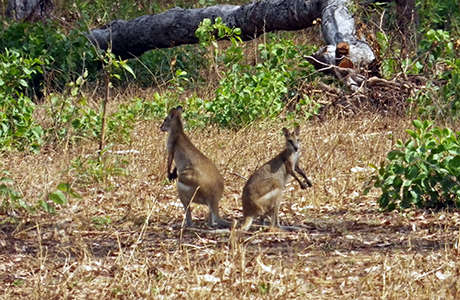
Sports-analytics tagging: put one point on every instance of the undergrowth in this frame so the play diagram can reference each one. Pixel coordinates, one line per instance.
(78, 222)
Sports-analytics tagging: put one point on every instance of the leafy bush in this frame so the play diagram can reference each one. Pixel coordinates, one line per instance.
(209, 32)
(98, 169)
(121, 123)
(436, 14)
(18, 129)
(440, 97)
(105, 11)
(74, 119)
(155, 68)
(247, 93)
(12, 200)
(64, 54)
(423, 172)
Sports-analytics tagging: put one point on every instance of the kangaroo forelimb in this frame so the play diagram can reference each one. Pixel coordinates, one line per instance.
(173, 174)
(302, 173)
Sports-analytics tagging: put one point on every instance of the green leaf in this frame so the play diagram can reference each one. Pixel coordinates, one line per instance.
(6, 180)
(391, 206)
(64, 187)
(392, 155)
(410, 156)
(383, 200)
(23, 82)
(417, 124)
(455, 163)
(129, 69)
(23, 204)
(406, 183)
(74, 91)
(411, 133)
(58, 197)
(389, 180)
(412, 172)
(47, 207)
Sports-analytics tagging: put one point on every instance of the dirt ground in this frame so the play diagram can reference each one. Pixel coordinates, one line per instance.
(123, 238)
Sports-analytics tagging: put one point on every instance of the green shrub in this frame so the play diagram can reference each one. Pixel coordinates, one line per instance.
(65, 54)
(247, 93)
(252, 92)
(121, 123)
(98, 168)
(440, 96)
(18, 129)
(424, 171)
(73, 118)
(435, 14)
(154, 68)
(105, 11)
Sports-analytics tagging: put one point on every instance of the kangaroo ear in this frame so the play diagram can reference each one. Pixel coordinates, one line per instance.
(179, 109)
(285, 131)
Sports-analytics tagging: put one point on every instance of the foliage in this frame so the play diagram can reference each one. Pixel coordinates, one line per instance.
(12, 200)
(18, 129)
(101, 222)
(74, 118)
(436, 14)
(440, 97)
(306, 107)
(58, 197)
(246, 92)
(209, 32)
(10, 197)
(121, 123)
(98, 169)
(158, 67)
(424, 171)
(112, 68)
(438, 61)
(65, 54)
(105, 11)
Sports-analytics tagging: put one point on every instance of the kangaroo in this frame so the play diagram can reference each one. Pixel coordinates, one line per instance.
(262, 192)
(197, 176)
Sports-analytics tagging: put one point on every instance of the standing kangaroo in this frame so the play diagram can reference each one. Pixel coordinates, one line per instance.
(197, 176)
(262, 192)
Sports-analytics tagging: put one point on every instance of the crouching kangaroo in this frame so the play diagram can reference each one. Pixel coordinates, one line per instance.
(263, 190)
(197, 176)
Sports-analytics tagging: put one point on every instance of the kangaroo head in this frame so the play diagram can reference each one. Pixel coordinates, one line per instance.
(292, 138)
(173, 119)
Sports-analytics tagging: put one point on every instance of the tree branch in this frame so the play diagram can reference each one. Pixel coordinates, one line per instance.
(177, 26)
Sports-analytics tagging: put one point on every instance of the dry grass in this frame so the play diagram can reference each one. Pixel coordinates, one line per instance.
(346, 247)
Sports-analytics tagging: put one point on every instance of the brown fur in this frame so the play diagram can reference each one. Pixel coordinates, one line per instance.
(197, 176)
(262, 192)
